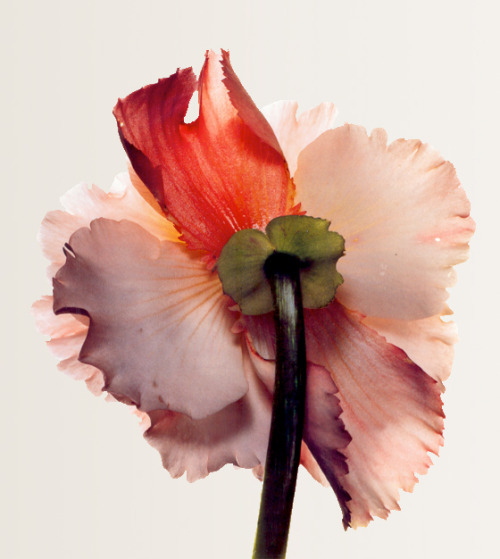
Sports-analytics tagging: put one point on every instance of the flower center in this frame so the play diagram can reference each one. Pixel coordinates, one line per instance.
(250, 256)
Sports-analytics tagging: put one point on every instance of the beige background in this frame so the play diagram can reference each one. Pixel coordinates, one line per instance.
(77, 480)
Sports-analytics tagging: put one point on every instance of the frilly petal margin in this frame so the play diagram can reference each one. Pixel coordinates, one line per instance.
(214, 176)
(427, 342)
(129, 199)
(84, 203)
(325, 437)
(402, 213)
(390, 407)
(149, 303)
(237, 434)
(293, 133)
(66, 334)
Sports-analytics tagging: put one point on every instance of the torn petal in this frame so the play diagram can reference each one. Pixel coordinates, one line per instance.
(159, 326)
(325, 437)
(214, 176)
(391, 409)
(325, 434)
(402, 213)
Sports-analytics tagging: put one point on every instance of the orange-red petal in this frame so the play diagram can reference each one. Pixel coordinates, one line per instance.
(214, 176)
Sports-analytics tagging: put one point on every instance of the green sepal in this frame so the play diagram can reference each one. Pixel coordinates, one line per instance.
(241, 264)
(241, 271)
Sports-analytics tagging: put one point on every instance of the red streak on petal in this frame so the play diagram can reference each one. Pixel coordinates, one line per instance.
(214, 176)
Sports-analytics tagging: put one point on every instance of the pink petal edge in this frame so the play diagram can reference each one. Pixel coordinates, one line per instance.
(293, 133)
(402, 213)
(390, 408)
(150, 303)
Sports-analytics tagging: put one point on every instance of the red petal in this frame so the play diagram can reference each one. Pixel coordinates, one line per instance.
(217, 175)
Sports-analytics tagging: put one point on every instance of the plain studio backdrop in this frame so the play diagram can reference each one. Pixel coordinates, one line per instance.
(77, 479)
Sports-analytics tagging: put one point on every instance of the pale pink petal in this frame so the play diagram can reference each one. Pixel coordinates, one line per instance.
(238, 434)
(307, 460)
(159, 324)
(83, 203)
(391, 409)
(66, 334)
(402, 213)
(428, 342)
(128, 199)
(293, 133)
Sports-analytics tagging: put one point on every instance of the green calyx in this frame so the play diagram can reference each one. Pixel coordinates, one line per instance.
(242, 263)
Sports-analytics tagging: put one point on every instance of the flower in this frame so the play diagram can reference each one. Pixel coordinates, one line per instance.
(140, 311)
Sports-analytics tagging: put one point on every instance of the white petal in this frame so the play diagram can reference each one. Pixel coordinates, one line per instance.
(293, 133)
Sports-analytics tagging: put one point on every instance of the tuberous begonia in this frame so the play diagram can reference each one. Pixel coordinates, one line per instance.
(139, 311)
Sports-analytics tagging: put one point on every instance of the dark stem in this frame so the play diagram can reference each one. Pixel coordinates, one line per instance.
(283, 454)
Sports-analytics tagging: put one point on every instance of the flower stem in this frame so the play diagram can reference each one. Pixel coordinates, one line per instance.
(283, 454)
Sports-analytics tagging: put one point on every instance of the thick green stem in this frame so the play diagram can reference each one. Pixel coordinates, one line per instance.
(285, 439)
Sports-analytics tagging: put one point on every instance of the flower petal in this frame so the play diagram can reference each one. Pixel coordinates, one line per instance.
(293, 133)
(325, 434)
(66, 335)
(159, 325)
(219, 174)
(402, 214)
(325, 437)
(391, 409)
(237, 434)
(427, 342)
(84, 202)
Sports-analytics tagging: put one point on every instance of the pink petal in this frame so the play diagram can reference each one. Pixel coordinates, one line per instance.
(66, 335)
(402, 213)
(427, 342)
(237, 434)
(83, 203)
(325, 437)
(217, 175)
(293, 133)
(391, 409)
(159, 324)
(325, 434)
